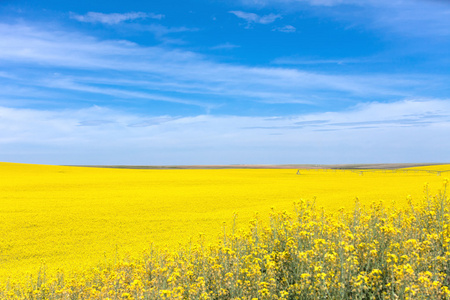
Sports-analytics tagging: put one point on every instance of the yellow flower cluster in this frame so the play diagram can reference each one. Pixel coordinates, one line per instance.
(377, 252)
(71, 218)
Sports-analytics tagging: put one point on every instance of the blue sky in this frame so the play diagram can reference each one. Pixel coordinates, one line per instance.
(224, 82)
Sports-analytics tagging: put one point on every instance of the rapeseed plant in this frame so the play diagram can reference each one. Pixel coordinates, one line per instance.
(71, 218)
(375, 252)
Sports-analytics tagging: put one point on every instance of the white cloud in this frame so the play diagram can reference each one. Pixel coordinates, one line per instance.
(406, 113)
(308, 61)
(420, 18)
(68, 84)
(225, 46)
(330, 2)
(92, 66)
(413, 18)
(287, 28)
(254, 18)
(162, 32)
(119, 73)
(114, 18)
(310, 2)
(403, 131)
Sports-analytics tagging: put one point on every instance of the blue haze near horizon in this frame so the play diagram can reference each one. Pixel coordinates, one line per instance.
(224, 82)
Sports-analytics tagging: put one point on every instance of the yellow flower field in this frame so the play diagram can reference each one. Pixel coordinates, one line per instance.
(71, 218)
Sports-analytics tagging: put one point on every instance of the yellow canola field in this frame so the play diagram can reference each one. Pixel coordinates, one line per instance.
(71, 218)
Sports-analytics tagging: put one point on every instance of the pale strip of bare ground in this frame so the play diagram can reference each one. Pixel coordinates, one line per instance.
(387, 166)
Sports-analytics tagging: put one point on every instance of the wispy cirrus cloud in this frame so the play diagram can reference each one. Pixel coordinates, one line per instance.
(225, 46)
(405, 113)
(419, 18)
(164, 33)
(300, 2)
(161, 30)
(287, 28)
(309, 61)
(124, 73)
(403, 17)
(114, 18)
(366, 133)
(254, 18)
